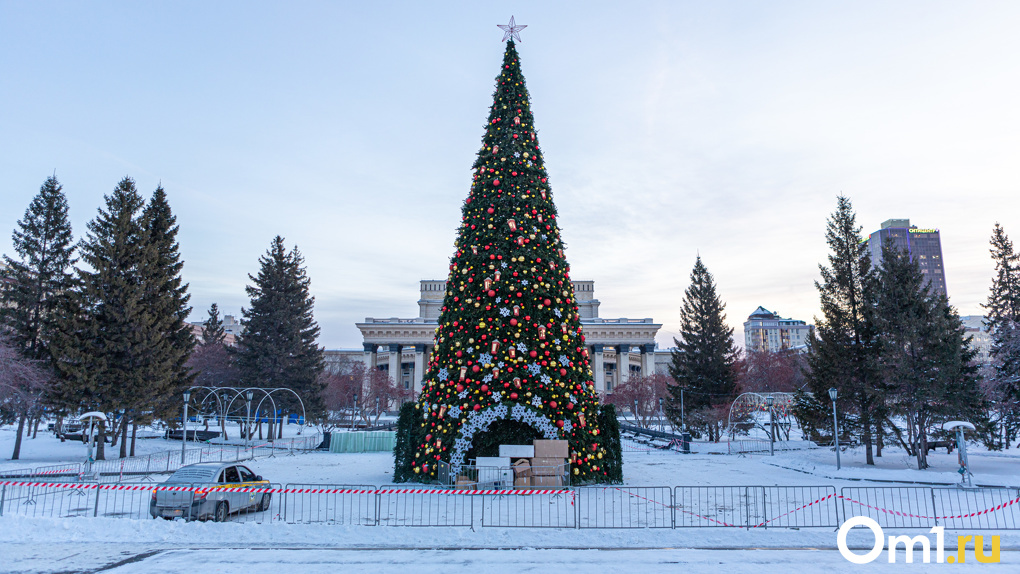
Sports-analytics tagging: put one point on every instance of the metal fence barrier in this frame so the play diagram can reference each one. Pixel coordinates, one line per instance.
(165, 462)
(424, 507)
(717, 506)
(749, 507)
(625, 507)
(891, 506)
(340, 504)
(541, 510)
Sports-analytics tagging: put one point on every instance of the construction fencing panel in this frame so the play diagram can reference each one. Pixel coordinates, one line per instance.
(424, 507)
(891, 506)
(531, 509)
(625, 507)
(799, 507)
(718, 506)
(43, 501)
(977, 508)
(341, 504)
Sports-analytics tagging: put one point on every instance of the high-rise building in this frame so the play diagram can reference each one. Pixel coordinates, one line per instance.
(922, 245)
(767, 331)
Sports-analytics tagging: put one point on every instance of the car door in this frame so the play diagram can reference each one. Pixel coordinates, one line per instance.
(248, 480)
(233, 480)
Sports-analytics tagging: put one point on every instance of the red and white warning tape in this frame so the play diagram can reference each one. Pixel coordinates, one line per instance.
(137, 487)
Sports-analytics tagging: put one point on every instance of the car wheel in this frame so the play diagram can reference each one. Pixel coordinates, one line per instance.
(221, 512)
(264, 503)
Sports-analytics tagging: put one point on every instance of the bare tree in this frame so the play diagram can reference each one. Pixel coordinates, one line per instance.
(646, 390)
(770, 372)
(351, 389)
(22, 385)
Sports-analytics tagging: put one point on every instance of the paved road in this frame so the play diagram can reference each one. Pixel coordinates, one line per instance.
(80, 557)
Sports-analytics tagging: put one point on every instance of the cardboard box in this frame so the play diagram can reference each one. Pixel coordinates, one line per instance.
(522, 469)
(517, 450)
(492, 462)
(548, 466)
(547, 481)
(552, 449)
(524, 481)
(465, 483)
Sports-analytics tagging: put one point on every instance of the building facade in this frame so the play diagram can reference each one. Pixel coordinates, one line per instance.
(980, 338)
(618, 348)
(922, 245)
(767, 331)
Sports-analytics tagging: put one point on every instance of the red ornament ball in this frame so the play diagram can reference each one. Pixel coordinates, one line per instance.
(495, 182)
(563, 372)
(547, 302)
(460, 388)
(513, 322)
(490, 211)
(533, 354)
(513, 396)
(475, 369)
(491, 293)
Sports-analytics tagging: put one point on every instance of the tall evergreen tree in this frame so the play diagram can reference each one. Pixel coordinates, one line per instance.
(166, 299)
(30, 292)
(32, 287)
(108, 335)
(843, 351)
(926, 358)
(212, 330)
(510, 361)
(1003, 322)
(703, 363)
(277, 347)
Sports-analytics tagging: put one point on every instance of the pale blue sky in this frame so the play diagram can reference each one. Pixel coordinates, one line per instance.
(668, 128)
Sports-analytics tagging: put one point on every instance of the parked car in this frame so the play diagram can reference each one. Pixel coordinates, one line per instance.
(211, 499)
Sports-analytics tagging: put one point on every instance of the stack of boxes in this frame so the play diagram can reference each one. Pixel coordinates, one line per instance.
(542, 464)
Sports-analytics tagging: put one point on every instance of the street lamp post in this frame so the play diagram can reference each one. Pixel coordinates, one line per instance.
(770, 400)
(636, 421)
(833, 393)
(184, 423)
(660, 415)
(354, 411)
(377, 412)
(248, 396)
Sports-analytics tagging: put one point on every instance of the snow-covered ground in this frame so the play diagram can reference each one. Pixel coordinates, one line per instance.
(123, 545)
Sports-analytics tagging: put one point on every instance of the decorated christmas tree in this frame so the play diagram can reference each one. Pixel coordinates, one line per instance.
(510, 362)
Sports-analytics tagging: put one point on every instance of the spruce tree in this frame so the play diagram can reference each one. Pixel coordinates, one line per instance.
(705, 356)
(277, 347)
(842, 350)
(166, 299)
(33, 285)
(212, 330)
(510, 362)
(107, 338)
(31, 290)
(926, 358)
(1003, 322)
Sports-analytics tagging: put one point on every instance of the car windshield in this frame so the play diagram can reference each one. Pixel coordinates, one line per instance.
(191, 474)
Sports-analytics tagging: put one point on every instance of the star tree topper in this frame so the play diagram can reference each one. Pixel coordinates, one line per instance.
(511, 29)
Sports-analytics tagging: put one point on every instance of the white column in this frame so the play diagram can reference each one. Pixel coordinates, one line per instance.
(419, 370)
(623, 363)
(598, 365)
(395, 362)
(370, 355)
(648, 360)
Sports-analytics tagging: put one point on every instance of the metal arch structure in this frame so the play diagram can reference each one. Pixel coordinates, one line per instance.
(745, 410)
(226, 396)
